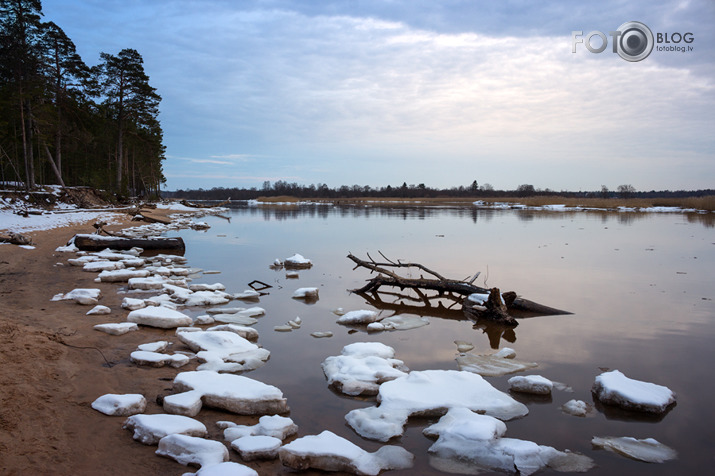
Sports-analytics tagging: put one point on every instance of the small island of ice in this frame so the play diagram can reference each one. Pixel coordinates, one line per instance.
(149, 429)
(648, 450)
(614, 388)
(362, 367)
(120, 405)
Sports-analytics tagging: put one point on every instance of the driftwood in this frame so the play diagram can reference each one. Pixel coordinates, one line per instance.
(496, 307)
(189, 204)
(99, 243)
(15, 239)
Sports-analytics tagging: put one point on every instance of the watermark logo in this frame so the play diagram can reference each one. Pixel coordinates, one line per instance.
(633, 41)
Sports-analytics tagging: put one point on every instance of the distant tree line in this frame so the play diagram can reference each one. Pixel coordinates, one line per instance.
(474, 190)
(63, 122)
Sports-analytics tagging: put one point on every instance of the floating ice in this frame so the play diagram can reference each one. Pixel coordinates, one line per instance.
(248, 333)
(614, 388)
(207, 298)
(99, 310)
(398, 323)
(162, 317)
(117, 329)
(234, 393)
(305, 293)
(149, 429)
(426, 393)
(648, 450)
(235, 318)
(578, 408)
(217, 347)
(329, 452)
(150, 282)
(122, 275)
(362, 367)
(268, 425)
(207, 287)
(358, 317)
(155, 359)
(463, 346)
(469, 443)
(535, 384)
(84, 296)
(321, 334)
(297, 261)
(192, 450)
(493, 365)
(247, 295)
(133, 304)
(120, 405)
(256, 447)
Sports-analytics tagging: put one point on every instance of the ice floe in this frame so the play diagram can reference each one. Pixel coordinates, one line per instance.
(306, 293)
(132, 304)
(297, 261)
(358, 317)
(330, 452)
(224, 350)
(648, 450)
(247, 295)
(493, 365)
(149, 429)
(268, 425)
(191, 450)
(426, 393)
(233, 393)
(228, 468)
(121, 275)
(321, 334)
(362, 367)
(469, 443)
(120, 404)
(84, 296)
(398, 323)
(578, 408)
(162, 317)
(257, 447)
(117, 329)
(534, 384)
(156, 359)
(614, 388)
(248, 333)
(159, 346)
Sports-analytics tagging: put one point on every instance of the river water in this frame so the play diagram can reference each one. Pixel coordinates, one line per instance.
(639, 287)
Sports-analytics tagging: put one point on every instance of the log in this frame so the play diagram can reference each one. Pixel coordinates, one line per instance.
(99, 243)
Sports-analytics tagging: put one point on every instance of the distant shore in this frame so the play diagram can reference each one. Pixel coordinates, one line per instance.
(706, 203)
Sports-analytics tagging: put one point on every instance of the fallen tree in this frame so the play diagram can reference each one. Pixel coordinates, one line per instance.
(476, 302)
(98, 243)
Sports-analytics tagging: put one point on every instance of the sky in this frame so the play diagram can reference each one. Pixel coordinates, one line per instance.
(443, 93)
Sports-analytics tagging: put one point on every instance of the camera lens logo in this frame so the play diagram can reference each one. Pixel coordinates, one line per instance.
(634, 41)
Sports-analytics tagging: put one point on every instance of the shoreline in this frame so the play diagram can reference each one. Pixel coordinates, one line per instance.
(53, 365)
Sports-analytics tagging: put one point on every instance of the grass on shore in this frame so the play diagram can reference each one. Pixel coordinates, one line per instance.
(698, 203)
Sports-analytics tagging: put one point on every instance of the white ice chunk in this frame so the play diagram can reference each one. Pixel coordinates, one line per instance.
(535, 384)
(403, 323)
(427, 393)
(162, 317)
(120, 405)
(192, 450)
(463, 346)
(149, 429)
(234, 393)
(305, 293)
(248, 295)
(228, 468)
(578, 408)
(256, 447)
(248, 333)
(362, 368)
(358, 317)
(648, 450)
(297, 261)
(492, 365)
(321, 334)
(155, 359)
(207, 287)
(133, 304)
(122, 275)
(85, 296)
(99, 310)
(207, 298)
(329, 452)
(614, 388)
(98, 266)
(268, 425)
(235, 318)
(159, 346)
(150, 282)
(224, 344)
(117, 329)
(469, 443)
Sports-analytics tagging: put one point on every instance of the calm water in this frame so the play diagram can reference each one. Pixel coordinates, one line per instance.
(640, 287)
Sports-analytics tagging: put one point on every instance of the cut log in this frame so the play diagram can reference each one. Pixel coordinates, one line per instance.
(99, 243)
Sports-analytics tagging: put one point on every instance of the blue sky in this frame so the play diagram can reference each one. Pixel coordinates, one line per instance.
(441, 93)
